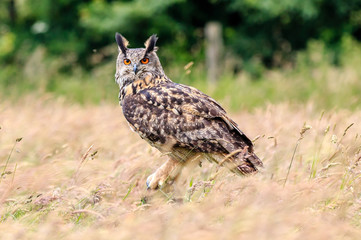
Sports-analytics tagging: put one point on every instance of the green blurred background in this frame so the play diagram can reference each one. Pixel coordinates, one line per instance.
(296, 51)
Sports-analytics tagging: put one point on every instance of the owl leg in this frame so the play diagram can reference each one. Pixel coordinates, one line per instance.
(168, 171)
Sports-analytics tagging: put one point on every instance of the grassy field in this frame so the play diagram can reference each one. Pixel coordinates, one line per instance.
(312, 77)
(77, 172)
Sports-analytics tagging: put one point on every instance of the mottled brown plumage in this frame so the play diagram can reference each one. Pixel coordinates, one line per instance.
(177, 119)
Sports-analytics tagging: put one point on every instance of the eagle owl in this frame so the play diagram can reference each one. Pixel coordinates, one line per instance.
(179, 120)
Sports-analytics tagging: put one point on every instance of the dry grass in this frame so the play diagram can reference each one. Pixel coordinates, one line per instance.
(79, 173)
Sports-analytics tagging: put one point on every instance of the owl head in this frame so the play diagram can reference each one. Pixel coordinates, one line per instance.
(134, 63)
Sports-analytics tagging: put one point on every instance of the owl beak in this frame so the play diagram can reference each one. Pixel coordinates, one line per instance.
(135, 68)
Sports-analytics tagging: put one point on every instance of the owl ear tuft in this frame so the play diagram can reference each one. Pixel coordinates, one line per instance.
(122, 43)
(150, 44)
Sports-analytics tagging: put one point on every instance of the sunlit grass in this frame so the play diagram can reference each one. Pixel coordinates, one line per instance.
(81, 173)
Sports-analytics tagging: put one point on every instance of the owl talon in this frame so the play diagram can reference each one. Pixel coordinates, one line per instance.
(156, 180)
(149, 181)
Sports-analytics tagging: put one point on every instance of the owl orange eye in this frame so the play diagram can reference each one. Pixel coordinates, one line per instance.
(126, 61)
(145, 60)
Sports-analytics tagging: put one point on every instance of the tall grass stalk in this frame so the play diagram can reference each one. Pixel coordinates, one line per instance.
(8, 159)
(304, 129)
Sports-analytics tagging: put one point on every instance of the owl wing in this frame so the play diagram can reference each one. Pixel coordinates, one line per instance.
(208, 108)
(183, 116)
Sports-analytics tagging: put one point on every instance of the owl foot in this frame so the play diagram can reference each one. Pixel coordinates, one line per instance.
(164, 174)
(155, 181)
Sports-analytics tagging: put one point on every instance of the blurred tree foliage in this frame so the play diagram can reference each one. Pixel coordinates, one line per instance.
(80, 33)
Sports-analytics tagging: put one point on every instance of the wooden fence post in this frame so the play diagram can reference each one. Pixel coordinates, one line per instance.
(214, 49)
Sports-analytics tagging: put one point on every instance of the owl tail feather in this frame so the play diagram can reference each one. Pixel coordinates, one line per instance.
(248, 164)
(242, 161)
